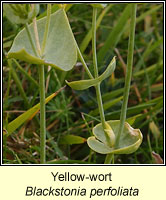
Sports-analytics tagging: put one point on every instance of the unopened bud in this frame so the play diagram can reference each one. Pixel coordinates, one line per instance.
(109, 135)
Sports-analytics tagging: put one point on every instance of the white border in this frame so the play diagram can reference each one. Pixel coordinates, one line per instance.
(2, 83)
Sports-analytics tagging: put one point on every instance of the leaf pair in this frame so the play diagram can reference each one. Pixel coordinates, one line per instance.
(60, 51)
(129, 142)
(85, 84)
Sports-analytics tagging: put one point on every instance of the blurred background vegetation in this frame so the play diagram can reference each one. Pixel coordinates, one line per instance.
(75, 112)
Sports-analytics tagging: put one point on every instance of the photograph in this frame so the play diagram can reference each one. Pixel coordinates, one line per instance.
(83, 83)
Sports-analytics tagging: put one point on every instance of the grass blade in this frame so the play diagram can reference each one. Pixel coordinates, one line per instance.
(106, 106)
(25, 73)
(29, 114)
(71, 139)
(88, 36)
(18, 82)
(115, 34)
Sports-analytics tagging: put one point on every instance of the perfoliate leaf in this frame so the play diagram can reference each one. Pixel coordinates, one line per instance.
(60, 51)
(98, 146)
(85, 84)
(130, 139)
(71, 139)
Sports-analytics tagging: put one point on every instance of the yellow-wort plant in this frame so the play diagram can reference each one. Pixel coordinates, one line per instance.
(114, 136)
(50, 41)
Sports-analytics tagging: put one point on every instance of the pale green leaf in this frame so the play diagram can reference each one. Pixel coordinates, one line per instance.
(129, 142)
(60, 51)
(85, 84)
(98, 146)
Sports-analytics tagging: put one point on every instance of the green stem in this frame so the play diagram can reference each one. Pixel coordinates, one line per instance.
(97, 87)
(42, 94)
(100, 104)
(42, 100)
(31, 39)
(128, 73)
(41, 83)
(94, 42)
(36, 36)
(83, 62)
(46, 28)
(113, 160)
(88, 36)
(109, 158)
(42, 115)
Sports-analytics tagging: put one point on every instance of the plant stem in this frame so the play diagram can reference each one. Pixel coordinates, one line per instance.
(98, 93)
(109, 158)
(97, 87)
(83, 62)
(42, 99)
(42, 93)
(31, 39)
(42, 115)
(128, 73)
(94, 42)
(88, 36)
(41, 81)
(36, 36)
(46, 28)
(100, 104)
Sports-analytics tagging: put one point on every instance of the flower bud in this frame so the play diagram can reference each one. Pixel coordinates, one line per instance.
(21, 13)
(109, 135)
